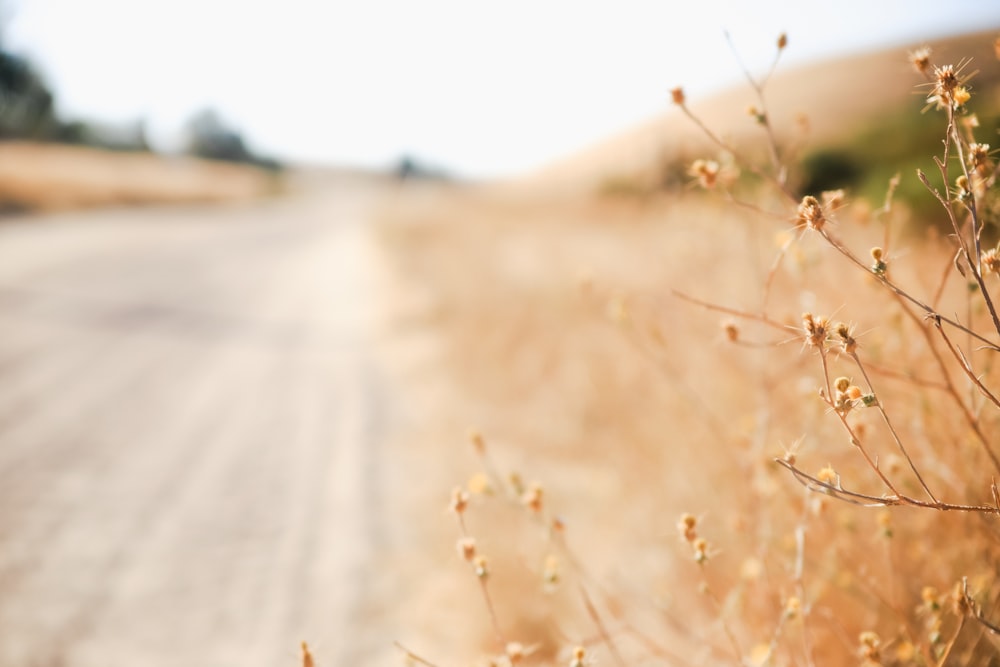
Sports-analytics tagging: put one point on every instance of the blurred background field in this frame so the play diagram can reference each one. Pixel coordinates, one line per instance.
(293, 352)
(542, 315)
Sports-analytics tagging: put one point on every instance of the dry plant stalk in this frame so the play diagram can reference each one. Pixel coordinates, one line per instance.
(961, 199)
(809, 590)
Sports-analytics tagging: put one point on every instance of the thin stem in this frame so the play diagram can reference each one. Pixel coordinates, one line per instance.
(492, 612)
(963, 362)
(973, 264)
(777, 183)
(594, 616)
(772, 273)
(885, 282)
(943, 660)
(763, 318)
(410, 655)
(800, 557)
(970, 418)
(892, 430)
(867, 500)
(873, 464)
(763, 116)
(734, 644)
(892, 374)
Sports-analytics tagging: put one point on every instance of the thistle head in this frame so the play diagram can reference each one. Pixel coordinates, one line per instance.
(810, 214)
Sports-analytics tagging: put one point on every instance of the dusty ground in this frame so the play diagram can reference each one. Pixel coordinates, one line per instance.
(194, 419)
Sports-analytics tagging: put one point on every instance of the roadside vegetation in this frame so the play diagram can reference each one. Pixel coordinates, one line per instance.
(754, 425)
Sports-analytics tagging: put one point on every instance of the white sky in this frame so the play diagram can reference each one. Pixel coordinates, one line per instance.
(478, 87)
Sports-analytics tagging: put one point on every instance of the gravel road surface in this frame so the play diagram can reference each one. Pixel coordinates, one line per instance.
(191, 419)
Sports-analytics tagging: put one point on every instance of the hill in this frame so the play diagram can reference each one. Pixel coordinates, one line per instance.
(836, 98)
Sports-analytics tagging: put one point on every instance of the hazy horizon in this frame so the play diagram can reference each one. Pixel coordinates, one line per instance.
(487, 90)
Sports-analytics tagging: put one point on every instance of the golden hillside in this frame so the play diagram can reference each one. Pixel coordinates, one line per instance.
(834, 97)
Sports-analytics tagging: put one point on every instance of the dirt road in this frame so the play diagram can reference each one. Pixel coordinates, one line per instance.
(191, 415)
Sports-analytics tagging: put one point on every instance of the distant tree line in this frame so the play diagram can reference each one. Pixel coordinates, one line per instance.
(27, 106)
(210, 137)
(28, 112)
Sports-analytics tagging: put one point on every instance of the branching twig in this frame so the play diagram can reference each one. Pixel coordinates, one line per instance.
(867, 500)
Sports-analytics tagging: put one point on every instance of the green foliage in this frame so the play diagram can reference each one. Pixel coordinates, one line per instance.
(26, 103)
(896, 142)
(829, 169)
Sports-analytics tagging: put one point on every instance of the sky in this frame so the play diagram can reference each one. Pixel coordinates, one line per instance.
(479, 88)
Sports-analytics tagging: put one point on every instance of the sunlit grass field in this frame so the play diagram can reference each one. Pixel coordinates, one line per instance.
(726, 425)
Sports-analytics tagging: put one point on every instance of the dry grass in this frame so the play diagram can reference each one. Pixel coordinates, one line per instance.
(554, 325)
(53, 177)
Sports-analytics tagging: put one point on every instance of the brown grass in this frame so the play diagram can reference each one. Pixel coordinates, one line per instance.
(52, 177)
(551, 323)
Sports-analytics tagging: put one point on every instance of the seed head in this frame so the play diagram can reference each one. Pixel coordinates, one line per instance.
(481, 567)
(921, 60)
(827, 475)
(477, 441)
(307, 657)
(706, 171)
(846, 338)
(782, 41)
(946, 80)
(515, 652)
(879, 267)
(930, 597)
(732, 331)
(979, 157)
(479, 484)
(816, 329)
(962, 189)
(792, 607)
(759, 116)
(687, 526)
(948, 89)
(842, 402)
(677, 96)
(842, 383)
(467, 548)
(551, 572)
(870, 643)
(810, 214)
(579, 657)
(961, 96)
(991, 260)
(701, 547)
(459, 501)
(532, 498)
